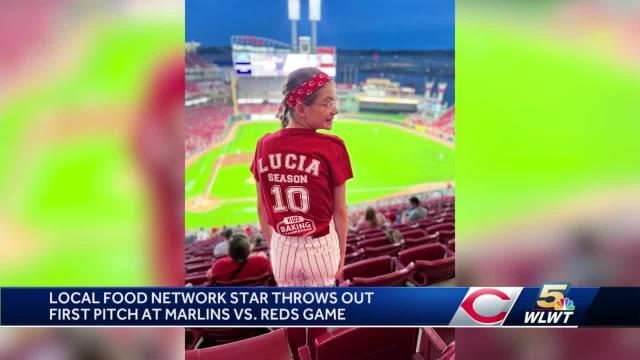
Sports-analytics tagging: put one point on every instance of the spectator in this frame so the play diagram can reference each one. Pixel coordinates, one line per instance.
(202, 234)
(416, 212)
(222, 249)
(238, 264)
(391, 216)
(370, 220)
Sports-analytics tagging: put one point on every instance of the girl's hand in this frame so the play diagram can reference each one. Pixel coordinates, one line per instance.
(339, 273)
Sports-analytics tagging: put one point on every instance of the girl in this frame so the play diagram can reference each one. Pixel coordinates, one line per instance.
(300, 183)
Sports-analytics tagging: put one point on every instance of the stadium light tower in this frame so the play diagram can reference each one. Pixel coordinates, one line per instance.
(294, 16)
(314, 17)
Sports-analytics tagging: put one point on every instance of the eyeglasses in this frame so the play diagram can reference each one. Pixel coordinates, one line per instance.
(328, 104)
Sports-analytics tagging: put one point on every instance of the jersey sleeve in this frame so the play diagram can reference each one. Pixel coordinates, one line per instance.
(254, 163)
(340, 164)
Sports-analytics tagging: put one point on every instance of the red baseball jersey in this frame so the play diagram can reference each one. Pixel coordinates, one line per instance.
(297, 170)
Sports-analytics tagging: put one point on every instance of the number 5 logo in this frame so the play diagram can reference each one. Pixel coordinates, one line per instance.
(550, 294)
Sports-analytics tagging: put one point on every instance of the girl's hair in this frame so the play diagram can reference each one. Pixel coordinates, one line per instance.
(371, 216)
(239, 247)
(294, 80)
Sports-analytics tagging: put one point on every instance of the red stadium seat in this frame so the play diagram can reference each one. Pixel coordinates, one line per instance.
(426, 239)
(430, 264)
(197, 260)
(363, 343)
(354, 239)
(413, 234)
(272, 346)
(446, 230)
(378, 271)
(299, 338)
(451, 246)
(191, 338)
(373, 242)
(198, 268)
(354, 256)
(197, 280)
(265, 279)
(404, 227)
(433, 344)
(371, 232)
(388, 249)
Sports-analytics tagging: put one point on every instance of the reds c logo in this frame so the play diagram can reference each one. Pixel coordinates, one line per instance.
(485, 306)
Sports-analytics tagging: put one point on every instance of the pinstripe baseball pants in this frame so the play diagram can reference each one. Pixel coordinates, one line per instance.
(305, 261)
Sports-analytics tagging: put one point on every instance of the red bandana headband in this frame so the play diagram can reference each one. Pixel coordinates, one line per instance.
(302, 92)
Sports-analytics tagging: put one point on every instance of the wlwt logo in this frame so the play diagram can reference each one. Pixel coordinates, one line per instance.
(553, 307)
(485, 306)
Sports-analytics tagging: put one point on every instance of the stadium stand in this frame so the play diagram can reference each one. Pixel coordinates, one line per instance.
(321, 343)
(205, 124)
(270, 345)
(422, 254)
(258, 109)
(193, 61)
(446, 122)
(260, 88)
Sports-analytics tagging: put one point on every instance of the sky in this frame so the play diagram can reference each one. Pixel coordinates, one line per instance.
(346, 24)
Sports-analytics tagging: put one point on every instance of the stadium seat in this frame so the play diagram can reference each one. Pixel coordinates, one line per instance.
(272, 346)
(191, 338)
(413, 234)
(433, 344)
(451, 246)
(445, 217)
(388, 249)
(197, 260)
(426, 239)
(378, 271)
(363, 343)
(298, 338)
(430, 264)
(197, 280)
(354, 256)
(425, 223)
(265, 279)
(446, 230)
(261, 247)
(373, 242)
(353, 239)
(198, 268)
(404, 227)
(371, 232)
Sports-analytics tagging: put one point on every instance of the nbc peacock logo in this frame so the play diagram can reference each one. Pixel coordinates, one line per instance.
(564, 304)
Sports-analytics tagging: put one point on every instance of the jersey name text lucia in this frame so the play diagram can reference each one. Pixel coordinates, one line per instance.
(296, 162)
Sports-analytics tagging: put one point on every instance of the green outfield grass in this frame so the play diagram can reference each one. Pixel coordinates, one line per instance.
(385, 159)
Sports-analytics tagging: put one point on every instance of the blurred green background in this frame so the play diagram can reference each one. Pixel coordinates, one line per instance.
(548, 109)
(76, 209)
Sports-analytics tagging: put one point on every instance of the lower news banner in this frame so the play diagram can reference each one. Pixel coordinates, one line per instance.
(551, 305)
(218, 307)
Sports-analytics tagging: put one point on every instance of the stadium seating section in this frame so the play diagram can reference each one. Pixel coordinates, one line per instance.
(321, 344)
(205, 124)
(424, 256)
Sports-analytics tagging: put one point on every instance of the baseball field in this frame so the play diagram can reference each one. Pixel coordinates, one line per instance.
(387, 160)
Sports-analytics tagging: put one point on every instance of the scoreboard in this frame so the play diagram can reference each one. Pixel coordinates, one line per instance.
(278, 64)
